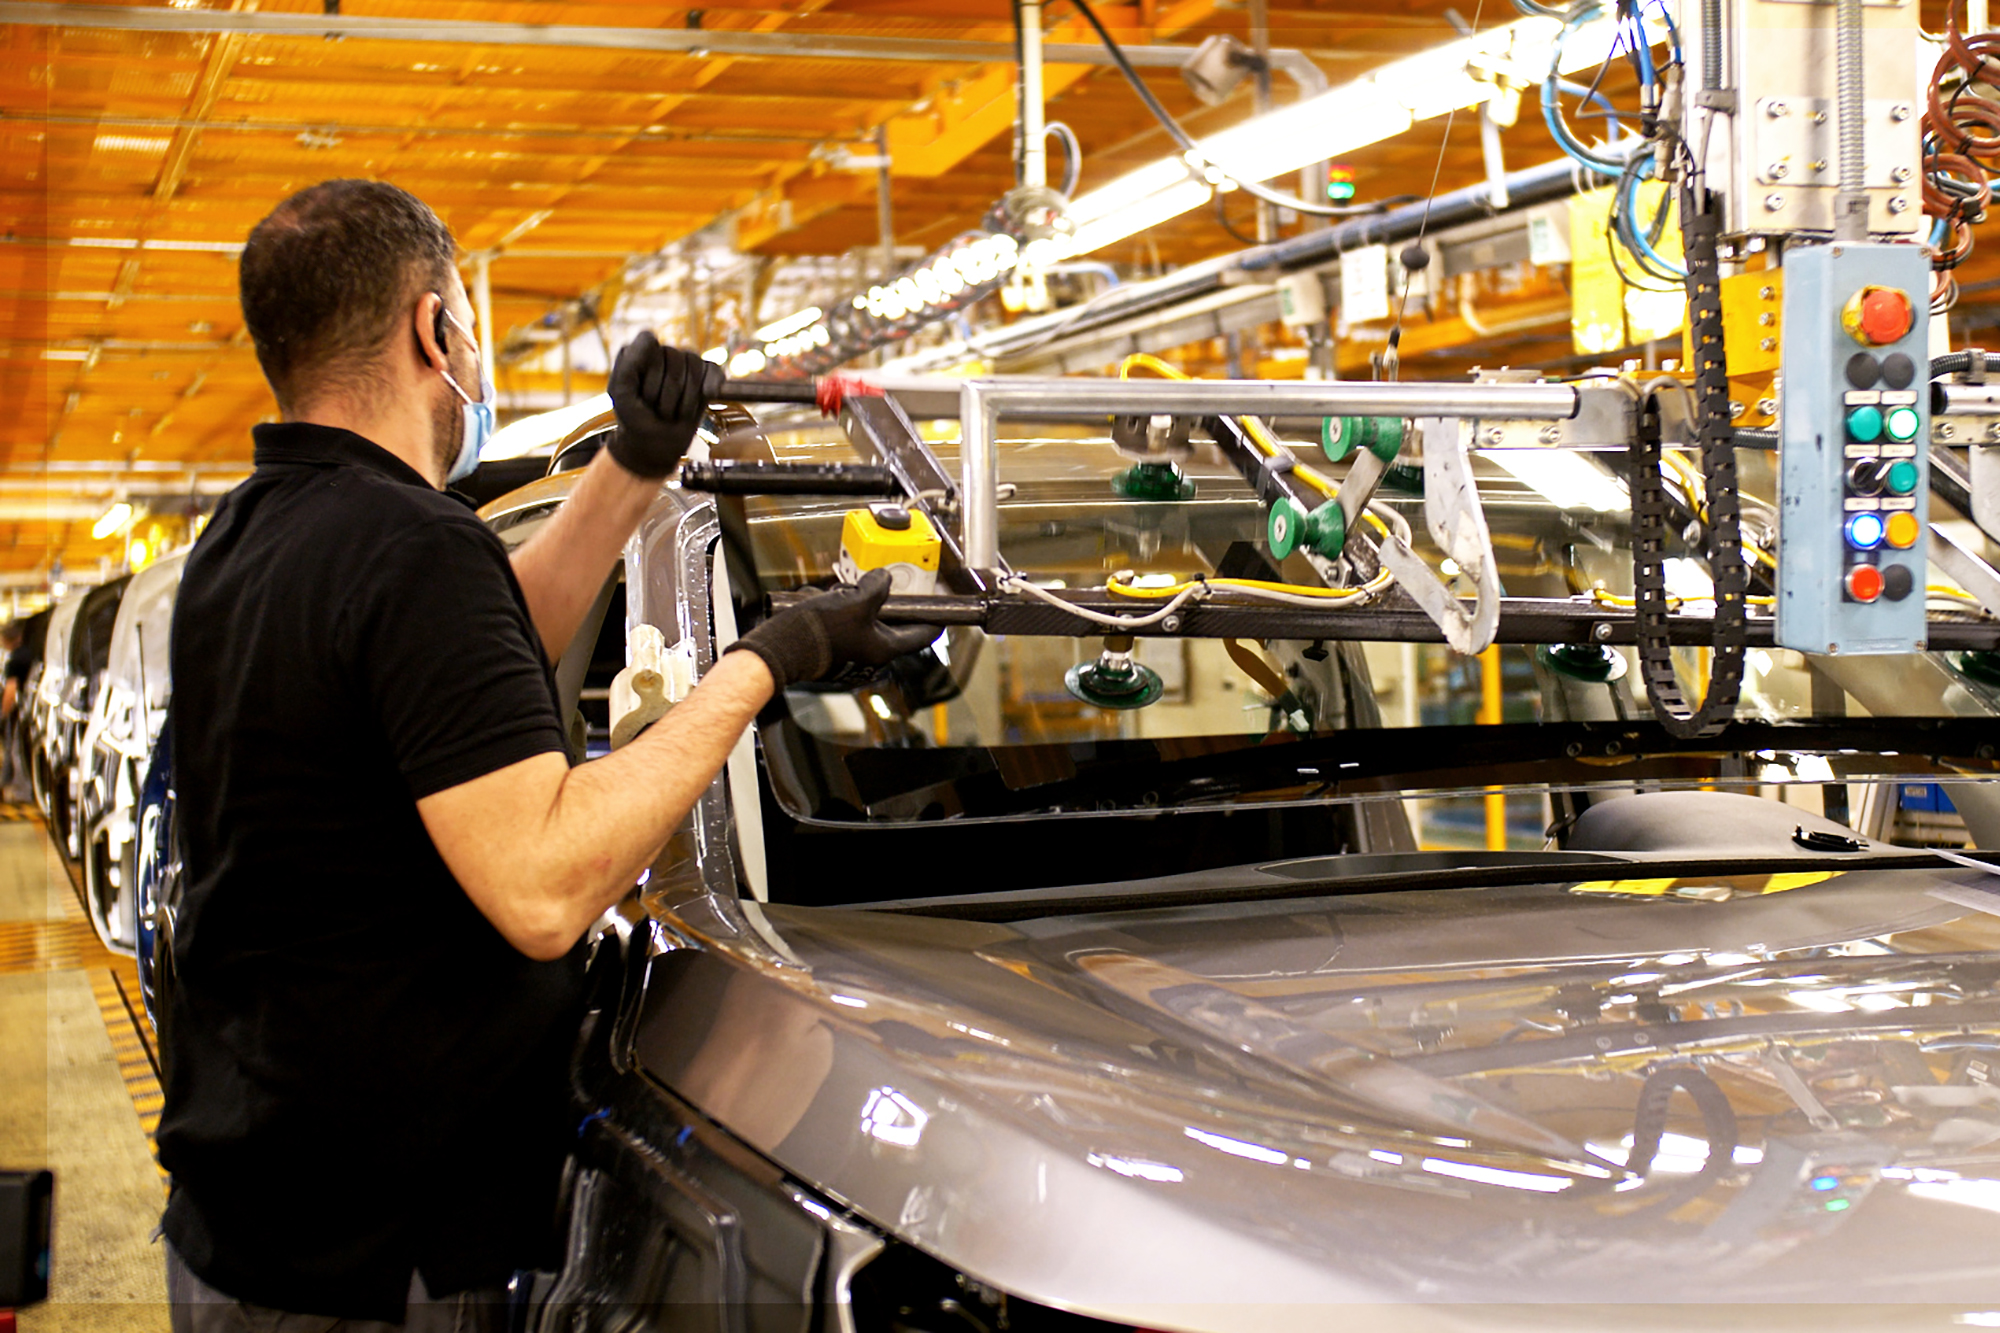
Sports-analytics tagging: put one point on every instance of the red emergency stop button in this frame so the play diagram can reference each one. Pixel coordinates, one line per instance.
(1864, 583)
(1877, 315)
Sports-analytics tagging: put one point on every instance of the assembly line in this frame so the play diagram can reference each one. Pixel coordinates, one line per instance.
(959, 774)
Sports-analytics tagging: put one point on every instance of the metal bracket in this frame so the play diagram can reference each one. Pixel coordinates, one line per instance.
(1458, 524)
(1967, 567)
(1983, 463)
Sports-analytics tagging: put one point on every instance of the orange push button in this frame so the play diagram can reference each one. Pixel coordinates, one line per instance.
(1877, 315)
(1903, 530)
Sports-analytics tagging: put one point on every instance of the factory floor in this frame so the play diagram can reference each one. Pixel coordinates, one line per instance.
(78, 1093)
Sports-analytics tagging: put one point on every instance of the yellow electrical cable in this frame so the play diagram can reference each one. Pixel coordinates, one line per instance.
(1613, 599)
(1381, 580)
(1698, 499)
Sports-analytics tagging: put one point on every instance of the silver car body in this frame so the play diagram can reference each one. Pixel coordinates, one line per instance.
(1389, 1111)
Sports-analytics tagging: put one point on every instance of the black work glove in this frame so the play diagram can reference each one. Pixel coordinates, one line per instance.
(825, 635)
(659, 394)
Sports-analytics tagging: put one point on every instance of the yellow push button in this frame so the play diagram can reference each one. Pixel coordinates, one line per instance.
(1903, 530)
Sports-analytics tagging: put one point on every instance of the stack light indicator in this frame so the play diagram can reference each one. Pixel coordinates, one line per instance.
(1340, 184)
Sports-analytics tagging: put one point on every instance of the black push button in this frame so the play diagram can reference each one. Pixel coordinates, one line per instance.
(1897, 582)
(1864, 371)
(1898, 371)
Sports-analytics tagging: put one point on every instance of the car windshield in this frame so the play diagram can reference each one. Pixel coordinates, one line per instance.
(1442, 750)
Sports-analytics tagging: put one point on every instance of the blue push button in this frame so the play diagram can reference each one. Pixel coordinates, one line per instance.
(1864, 531)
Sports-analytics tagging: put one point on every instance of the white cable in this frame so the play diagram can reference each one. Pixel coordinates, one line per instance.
(1393, 517)
(1185, 595)
(1349, 598)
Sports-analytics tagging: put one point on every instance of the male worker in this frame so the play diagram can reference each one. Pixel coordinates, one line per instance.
(390, 861)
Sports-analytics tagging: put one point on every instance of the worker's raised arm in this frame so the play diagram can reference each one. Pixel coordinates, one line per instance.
(659, 394)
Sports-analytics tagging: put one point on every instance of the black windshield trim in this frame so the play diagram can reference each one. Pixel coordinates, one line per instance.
(1476, 872)
(1139, 775)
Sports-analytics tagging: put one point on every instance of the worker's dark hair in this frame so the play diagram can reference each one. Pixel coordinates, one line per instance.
(326, 279)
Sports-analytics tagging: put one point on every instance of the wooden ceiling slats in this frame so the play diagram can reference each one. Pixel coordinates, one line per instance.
(179, 138)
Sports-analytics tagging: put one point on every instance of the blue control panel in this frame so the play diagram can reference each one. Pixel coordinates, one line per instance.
(1853, 471)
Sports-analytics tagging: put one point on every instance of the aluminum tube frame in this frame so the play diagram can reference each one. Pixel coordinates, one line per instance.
(983, 402)
(1034, 139)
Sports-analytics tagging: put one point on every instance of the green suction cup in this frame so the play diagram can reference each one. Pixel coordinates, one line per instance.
(1402, 479)
(1153, 481)
(1114, 680)
(1981, 666)
(1291, 526)
(1591, 662)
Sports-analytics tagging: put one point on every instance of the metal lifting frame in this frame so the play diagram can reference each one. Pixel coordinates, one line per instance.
(965, 510)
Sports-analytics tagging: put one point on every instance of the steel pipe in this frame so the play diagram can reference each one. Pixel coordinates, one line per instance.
(1294, 64)
(1037, 398)
(1034, 141)
(1948, 399)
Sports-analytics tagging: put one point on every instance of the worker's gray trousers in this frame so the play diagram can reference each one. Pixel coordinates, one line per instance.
(200, 1308)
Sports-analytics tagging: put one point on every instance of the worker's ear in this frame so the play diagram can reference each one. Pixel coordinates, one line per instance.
(431, 331)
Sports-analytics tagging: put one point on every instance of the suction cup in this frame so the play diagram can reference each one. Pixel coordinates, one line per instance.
(1983, 667)
(1114, 680)
(1590, 662)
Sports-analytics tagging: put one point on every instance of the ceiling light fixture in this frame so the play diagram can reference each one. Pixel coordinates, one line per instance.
(1378, 106)
(111, 520)
(1462, 73)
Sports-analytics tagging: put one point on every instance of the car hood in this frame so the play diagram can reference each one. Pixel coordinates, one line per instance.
(1743, 1089)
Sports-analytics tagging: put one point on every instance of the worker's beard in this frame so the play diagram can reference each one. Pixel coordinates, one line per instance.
(447, 429)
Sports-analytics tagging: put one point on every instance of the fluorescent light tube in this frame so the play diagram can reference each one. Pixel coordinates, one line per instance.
(110, 521)
(1367, 110)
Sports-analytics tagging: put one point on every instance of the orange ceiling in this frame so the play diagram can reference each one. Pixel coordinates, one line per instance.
(569, 158)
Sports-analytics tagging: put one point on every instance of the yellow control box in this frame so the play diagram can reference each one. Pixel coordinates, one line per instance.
(891, 537)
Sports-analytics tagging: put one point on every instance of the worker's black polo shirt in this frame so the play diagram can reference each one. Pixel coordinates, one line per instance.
(362, 1076)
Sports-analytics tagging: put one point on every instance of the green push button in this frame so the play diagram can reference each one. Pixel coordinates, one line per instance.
(1902, 423)
(1902, 477)
(1864, 424)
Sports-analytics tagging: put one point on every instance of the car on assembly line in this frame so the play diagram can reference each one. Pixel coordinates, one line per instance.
(1468, 1000)
(46, 686)
(89, 659)
(116, 749)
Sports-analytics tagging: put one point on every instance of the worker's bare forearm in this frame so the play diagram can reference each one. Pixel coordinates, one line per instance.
(542, 848)
(616, 813)
(562, 567)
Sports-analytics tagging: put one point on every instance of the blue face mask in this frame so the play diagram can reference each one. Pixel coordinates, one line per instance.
(475, 415)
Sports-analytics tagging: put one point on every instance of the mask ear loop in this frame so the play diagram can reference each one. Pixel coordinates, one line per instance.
(444, 317)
